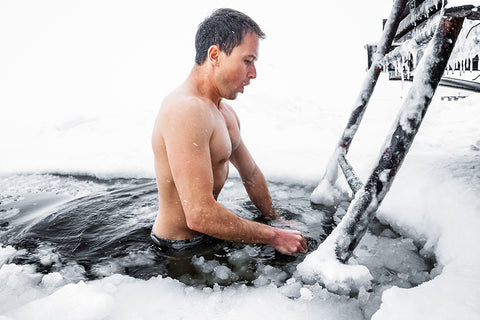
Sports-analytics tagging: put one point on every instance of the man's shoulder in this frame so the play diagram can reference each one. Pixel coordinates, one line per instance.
(175, 102)
(182, 113)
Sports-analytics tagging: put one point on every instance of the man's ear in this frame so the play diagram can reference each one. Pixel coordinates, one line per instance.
(213, 54)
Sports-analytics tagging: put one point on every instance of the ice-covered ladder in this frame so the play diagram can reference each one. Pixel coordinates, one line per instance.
(441, 30)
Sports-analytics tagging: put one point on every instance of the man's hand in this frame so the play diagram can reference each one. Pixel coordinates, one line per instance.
(281, 222)
(289, 242)
(271, 215)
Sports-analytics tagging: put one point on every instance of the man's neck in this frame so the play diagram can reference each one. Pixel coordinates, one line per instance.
(202, 82)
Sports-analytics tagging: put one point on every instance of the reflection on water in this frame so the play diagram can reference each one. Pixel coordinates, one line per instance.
(88, 228)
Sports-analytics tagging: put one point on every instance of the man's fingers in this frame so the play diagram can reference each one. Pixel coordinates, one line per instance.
(292, 243)
(300, 247)
(304, 244)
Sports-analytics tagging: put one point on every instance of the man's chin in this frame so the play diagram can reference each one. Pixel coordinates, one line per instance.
(232, 96)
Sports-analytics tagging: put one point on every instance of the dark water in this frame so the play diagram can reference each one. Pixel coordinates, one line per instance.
(88, 228)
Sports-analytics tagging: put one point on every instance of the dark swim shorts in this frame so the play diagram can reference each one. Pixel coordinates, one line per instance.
(176, 247)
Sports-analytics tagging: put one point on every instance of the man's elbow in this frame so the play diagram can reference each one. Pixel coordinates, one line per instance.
(197, 219)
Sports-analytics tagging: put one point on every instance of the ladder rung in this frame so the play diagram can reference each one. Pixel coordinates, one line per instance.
(353, 181)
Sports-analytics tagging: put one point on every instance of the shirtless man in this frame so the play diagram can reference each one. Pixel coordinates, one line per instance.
(197, 134)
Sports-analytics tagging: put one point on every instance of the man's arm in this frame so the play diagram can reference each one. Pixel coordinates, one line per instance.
(253, 180)
(189, 158)
(257, 190)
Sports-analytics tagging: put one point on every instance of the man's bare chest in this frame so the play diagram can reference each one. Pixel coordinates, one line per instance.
(221, 145)
(225, 138)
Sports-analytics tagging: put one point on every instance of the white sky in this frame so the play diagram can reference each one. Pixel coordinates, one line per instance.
(59, 55)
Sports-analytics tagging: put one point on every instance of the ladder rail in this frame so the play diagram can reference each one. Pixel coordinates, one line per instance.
(430, 70)
(331, 173)
(441, 33)
(372, 75)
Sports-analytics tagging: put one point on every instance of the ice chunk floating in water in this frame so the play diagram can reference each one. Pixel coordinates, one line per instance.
(63, 235)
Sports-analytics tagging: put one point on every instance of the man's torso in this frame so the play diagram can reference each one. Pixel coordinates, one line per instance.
(225, 137)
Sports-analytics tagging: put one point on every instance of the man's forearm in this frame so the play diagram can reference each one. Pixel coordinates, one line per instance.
(258, 192)
(219, 222)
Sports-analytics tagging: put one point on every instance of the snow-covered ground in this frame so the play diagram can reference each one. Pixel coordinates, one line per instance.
(80, 84)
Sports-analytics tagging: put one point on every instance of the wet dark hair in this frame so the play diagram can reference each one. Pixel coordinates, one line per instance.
(225, 28)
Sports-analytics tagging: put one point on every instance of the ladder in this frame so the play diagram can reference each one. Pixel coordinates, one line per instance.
(440, 26)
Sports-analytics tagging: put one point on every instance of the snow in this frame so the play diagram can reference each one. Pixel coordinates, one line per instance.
(80, 86)
(467, 45)
(121, 297)
(323, 266)
(327, 192)
(447, 226)
(459, 3)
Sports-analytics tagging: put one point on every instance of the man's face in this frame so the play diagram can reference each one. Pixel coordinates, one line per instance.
(236, 70)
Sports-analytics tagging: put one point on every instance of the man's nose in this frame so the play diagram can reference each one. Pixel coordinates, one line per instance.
(252, 72)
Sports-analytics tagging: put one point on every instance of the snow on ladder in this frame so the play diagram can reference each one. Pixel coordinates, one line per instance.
(437, 24)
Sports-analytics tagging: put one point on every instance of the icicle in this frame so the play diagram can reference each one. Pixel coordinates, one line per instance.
(402, 77)
(410, 68)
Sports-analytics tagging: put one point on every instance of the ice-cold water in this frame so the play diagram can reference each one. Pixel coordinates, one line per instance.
(86, 228)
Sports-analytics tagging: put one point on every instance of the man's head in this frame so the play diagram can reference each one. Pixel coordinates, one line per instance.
(225, 28)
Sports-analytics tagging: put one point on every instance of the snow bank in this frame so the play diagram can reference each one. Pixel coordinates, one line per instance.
(26, 294)
(435, 201)
(449, 227)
